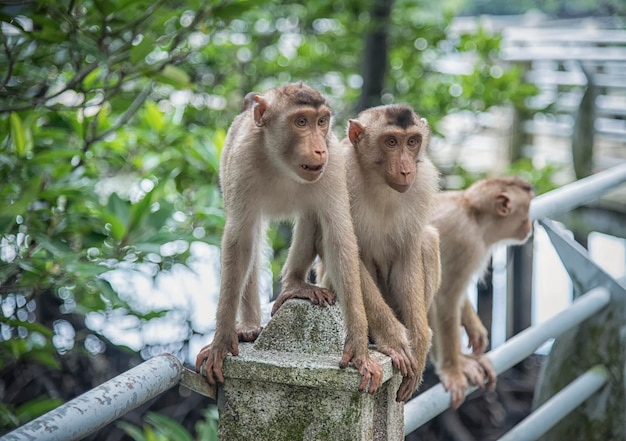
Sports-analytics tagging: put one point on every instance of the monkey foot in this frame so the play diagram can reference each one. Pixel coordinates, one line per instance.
(315, 294)
(370, 369)
(249, 334)
(455, 383)
(477, 339)
(400, 359)
(478, 369)
(407, 388)
(210, 359)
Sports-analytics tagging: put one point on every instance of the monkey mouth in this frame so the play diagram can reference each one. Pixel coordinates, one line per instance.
(400, 188)
(311, 173)
(312, 168)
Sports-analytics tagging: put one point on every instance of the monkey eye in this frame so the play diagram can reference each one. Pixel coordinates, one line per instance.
(414, 141)
(301, 121)
(322, 121)
(391, 142)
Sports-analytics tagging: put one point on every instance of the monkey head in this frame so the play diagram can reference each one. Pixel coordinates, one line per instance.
(503, 203)
(295, 120)
(394, 138)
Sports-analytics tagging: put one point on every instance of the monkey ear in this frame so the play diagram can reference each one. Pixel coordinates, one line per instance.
(503, 204)
(248, 101)
(355, 131)
(260, 106)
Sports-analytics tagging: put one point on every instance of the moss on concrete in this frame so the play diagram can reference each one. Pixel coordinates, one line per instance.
(288, 385)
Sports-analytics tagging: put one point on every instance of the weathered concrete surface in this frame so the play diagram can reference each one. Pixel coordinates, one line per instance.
(288, 385)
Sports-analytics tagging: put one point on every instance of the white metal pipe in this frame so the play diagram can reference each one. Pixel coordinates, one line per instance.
(560, 405)
(520, 346)
(99, 406)
(435, 400)
(577, 193)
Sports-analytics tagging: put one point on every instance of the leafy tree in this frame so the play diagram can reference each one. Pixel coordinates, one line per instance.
(112, 117)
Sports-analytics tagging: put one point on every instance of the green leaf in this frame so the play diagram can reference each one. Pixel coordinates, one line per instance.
(139, 52)
(118, 215)
(6, 222)
(206, 429)
(51, 34)
(44, 356)
(18, 135)
(7, 419)
(107, 292)
(92, 78)
(170, 428)
(54, 246)
(140, 211)
(34, 408)
(33, 327)
(132, 431)
(174, 76)
(154, 117)
(219, 137)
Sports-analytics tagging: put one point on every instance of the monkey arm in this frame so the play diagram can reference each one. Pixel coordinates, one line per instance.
(453, 368)
(447, 349)
(431, 263)
(302, 251)
(238, 255)
(342, 268)
(249, 326)
(301, 255)
(408, 291)
(386, 330)
(476, 331)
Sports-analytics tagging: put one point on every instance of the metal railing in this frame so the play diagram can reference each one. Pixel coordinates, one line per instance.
(104, 404)
(559, 406)
(109, 401)
(435, 400)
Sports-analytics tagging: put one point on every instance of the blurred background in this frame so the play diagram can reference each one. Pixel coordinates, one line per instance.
(112, 117)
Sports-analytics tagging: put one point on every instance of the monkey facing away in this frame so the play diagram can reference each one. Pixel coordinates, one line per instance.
(392, 183)
(281, 161)
(470, 223)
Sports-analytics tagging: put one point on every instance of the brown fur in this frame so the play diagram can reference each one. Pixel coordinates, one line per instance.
(470, 222)
(279, 162)
(392, 184)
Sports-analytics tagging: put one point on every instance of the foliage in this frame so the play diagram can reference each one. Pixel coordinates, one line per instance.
(112, 117)
(161, 428)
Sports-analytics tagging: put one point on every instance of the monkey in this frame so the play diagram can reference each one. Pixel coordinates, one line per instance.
(470, 223)
(392, 182)
(280, 160)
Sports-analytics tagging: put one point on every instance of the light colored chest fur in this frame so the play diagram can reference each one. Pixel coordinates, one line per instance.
(384, 227)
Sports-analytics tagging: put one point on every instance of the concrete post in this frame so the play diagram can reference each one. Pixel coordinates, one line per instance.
(287, 386)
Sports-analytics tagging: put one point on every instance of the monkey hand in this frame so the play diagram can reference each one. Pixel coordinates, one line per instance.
(455, 382)
(371, 371)
(478, 338)
(211, 358)
(315, 294)
(248, 333)
(407, 388)
(488, 371)
(473, 370)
